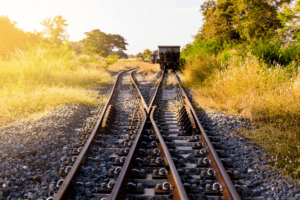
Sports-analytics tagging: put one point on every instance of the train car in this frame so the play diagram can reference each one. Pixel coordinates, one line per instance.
(169, 57)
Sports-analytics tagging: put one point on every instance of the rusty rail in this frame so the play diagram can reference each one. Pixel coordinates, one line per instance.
(229, 191)
(61, 194)
(156, 90)
(134, 85)
(148, 108)
(119, 190)
(173, 177)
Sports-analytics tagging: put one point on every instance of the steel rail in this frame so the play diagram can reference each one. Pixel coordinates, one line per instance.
(156, 90)
(61, 194)
(229, 191)
(148, 108)
(119, 190)
(174, 178)
(134, 85)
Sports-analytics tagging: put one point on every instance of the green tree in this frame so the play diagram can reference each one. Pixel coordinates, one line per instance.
(146, 54)
(289, 17)
(255, 19)
(218, 21)
(139, 55)
(75, 46)
(120, 53)
(55, 29)
(239, 20)
(98, 42)
(11, 37)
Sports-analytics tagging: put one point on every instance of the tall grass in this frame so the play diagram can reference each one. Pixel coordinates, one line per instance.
(43, 78)
(270, 97)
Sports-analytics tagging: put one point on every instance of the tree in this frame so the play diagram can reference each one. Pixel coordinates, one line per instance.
(56, 29)
(289, 18)
(255, 19)
(98, 42)
(239, 20)
(120, 53)
(139, 55)
(11, 37)
(146, 54)
(75, 46)
(218, 21)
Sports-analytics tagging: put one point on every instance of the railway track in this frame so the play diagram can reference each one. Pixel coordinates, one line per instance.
(160, 149)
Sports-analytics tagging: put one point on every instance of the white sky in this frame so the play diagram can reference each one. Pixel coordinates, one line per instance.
(144, 24)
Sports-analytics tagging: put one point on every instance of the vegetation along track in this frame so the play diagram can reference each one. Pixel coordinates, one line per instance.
(164, 154)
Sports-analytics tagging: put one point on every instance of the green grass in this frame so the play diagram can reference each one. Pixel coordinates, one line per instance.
(42, 79)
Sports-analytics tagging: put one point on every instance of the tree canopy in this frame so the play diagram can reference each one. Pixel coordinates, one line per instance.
(290, 19)
(139, 55)
(120, 53)
(239, 20)
(146, 54)
(98, 42)
(56, 29)
(11, 37)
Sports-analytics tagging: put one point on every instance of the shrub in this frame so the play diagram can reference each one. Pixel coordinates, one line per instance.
(199, 68)
(111, 59)
(210, 46)
(272, 52)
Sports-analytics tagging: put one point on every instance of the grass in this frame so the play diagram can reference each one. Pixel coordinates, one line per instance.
(41, 79)
(269, 97)
(147, 69)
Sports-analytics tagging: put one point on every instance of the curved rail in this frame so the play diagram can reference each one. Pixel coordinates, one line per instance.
(134, 85)
(154, 95)
(148, 108)
(174, 178)
(61, 194)
(229, 191)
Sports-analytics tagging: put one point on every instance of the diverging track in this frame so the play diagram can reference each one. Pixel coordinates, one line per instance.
(153, 149)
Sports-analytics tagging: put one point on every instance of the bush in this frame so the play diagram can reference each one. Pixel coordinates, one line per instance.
(201, 46)
(272, 52)
(111, 59)
(199, 68)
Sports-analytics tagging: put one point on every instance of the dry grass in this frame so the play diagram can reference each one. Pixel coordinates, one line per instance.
(268, 97)
(38, 80)
(146, 68)
(253, 91)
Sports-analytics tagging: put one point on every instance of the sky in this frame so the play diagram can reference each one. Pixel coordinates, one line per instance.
(144, 24)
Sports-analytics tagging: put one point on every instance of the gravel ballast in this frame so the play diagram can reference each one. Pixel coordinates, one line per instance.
(33, 152)
(257, 180)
